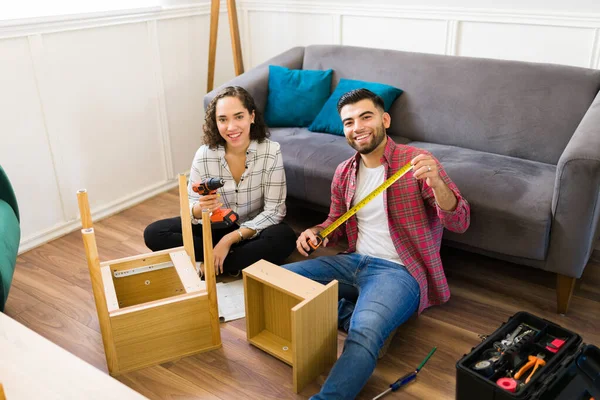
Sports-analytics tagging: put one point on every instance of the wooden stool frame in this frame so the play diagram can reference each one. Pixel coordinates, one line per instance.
(292, 318)
(152, 308)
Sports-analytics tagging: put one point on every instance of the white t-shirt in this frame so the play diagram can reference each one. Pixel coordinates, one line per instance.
(374, 237)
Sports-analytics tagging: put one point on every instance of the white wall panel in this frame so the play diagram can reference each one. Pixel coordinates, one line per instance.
(552, 44)
(426, 36)
(100, 100)
(24, 148)
(183, 50)
(580, 6)
(272, 33)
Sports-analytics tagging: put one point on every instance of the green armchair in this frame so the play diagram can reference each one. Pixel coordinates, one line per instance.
(10, 235)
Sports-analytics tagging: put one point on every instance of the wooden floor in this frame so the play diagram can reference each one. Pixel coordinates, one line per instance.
(51, 294)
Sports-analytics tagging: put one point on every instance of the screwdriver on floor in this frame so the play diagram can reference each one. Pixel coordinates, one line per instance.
(404, 380)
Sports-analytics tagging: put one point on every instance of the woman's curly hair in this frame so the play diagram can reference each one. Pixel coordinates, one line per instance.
(258, 130)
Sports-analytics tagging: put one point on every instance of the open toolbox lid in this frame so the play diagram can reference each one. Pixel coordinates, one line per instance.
(576, 378)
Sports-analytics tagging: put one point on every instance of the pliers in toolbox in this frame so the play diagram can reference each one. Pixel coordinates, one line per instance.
(535, 362)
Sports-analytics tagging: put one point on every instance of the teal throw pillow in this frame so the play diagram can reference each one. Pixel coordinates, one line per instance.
(329, 121)
(295, 96)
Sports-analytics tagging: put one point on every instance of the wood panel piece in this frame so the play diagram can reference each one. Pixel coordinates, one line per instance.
(314, 334)
(187, 272)
(186, 218)
(286, 281)
(140, 260)
(112, 302)
(148, 286)
(209, 276)
(170, 331)
(253, 303)
(276, 308)
(274, 345)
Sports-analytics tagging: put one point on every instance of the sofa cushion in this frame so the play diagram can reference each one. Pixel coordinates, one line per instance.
(295, 96)
(10, 235)
(310, 159)
(518, 109)
(328, 120)
(510, 200)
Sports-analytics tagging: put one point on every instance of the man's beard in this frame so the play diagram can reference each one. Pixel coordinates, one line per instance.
(376, 140)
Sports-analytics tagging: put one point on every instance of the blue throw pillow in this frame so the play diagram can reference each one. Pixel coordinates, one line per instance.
(296, 96)
(329, 121)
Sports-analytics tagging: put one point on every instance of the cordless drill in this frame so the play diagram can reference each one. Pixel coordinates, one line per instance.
(223, 217)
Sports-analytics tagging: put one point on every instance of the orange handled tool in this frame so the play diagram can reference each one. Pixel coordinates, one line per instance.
(535, 362)
(223, 217)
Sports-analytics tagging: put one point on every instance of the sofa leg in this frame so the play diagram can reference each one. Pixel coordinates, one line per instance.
(564, 292)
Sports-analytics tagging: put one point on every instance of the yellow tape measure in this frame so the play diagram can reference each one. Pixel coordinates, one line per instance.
(377, 191)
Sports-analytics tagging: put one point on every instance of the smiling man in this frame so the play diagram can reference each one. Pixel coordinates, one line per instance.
(393, 242)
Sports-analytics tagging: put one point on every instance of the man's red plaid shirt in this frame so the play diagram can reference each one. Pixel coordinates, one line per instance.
(416, 222)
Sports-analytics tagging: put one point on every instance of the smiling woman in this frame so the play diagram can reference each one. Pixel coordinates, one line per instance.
(237, 150)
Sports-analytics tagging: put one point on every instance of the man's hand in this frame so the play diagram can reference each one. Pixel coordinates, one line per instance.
(220, 252)
(425, 167)
(309, 234)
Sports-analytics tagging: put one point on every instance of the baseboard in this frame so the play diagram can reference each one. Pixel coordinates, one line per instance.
(115, 207)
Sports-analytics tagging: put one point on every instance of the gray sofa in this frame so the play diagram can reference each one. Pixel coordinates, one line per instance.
(521, 141)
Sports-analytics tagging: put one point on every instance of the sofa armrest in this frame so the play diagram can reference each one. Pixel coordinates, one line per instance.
(575, 206)
(7, 193)
(256, 80)
(10, 236)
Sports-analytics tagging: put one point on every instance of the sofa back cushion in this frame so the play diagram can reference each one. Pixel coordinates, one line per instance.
(518, 109)
(10, 235)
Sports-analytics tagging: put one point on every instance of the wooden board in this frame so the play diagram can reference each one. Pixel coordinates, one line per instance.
(314, 334)
(148, 335)
(286, 281)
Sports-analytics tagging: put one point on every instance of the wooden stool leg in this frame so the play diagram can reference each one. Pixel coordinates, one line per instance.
(91, 251)
(186, 218)
(209, 273)
(84, 209)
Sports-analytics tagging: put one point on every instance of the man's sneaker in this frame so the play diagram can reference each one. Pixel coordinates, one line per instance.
(386, 344)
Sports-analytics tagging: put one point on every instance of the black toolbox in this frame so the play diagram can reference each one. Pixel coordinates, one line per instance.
(502, 366)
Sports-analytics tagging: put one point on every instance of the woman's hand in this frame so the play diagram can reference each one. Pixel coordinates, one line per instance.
(209, 202)
(220, 252)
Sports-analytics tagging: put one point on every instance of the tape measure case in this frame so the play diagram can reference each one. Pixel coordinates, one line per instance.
(529, 358)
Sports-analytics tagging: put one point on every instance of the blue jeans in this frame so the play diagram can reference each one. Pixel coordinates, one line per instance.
(388, 296)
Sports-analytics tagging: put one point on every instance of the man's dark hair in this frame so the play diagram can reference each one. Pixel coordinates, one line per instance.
(356, 95)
